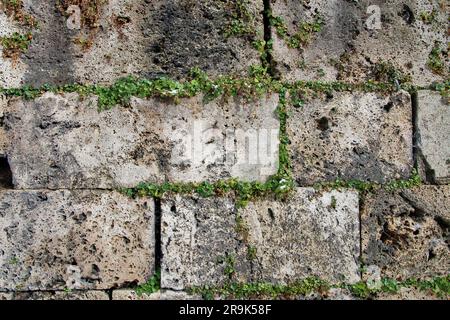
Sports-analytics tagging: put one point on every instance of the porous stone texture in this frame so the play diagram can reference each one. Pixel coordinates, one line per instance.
(366, 136)
(433, 119)
(199, 241)
(142, 38)
(3, 139)
(358, 36)
(11, 71)
(409, 294)
(406, 233)
(56, 240)
(60, 141)
(311, 234)
(59, 295)
(207, 242)
(160, 295)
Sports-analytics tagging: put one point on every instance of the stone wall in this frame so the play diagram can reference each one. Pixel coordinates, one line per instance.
(167, 149)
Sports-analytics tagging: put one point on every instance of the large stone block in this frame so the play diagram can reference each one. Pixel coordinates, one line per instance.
(63, 142)
(358, 37)
(209, 242)
(406, 233)
(60, 295)
(160, 295)
(120, 37)
(433, 116)
(365, 136)
(74, 240)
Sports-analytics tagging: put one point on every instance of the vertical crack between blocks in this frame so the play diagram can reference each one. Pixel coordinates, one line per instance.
(158, 246)
(361, 210)
(268, 38)
(415, 128)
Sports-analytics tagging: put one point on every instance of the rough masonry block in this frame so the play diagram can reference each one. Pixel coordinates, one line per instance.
(359, 36)
(143, 38)
(62, 142)
(59, 295)
(209, 241)
(406, 234)
(54, 240)
(366, 136)
(433, 117)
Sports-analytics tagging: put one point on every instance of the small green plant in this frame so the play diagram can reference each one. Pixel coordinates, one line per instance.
(435, 59)
(151, 286)
(14, 8)
(429, 17)
(439, 286)
(304, 34)
(242, 22)
(229, 261)
(15, 44)
(251, 253)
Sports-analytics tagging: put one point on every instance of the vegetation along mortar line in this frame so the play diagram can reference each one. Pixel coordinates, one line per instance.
(438, 286)
(258, 83)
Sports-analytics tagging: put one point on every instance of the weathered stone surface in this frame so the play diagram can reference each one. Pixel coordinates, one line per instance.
(363, 136)
(60, 295)
(433, 116)
(351, 45)
(160, 295)
(312, 234)
(3, 139)
(406, 234)
(197, 237)
(205, 241)
(62, 142)
(6, 296)
(408, 294)
(74, 239)
(143, 38)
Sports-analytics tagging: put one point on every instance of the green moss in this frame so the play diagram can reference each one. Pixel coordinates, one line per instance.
(302, 36)
(370, 187)
(14, 8)
(15, 44)
(229, 261)
(386, 72)
(242, 22)
(251, 253)
(151, 286)
(436, 59)
(439, 286)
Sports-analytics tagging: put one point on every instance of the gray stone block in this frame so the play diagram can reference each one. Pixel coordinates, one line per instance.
(366, 136)
(352, 43)
(208, 242)
(406, 233)
(433, 116)
(74, 240)
(60, 141)
(128, 37)
(60, 295)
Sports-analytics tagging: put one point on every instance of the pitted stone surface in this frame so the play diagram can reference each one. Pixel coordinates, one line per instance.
(197, 235)
(60, 295)
(406, 234)
(312, 234)
(160, 295)
(60, 141)
(74, 239)
(363, 136)
(130, 37)
(351, 43)
(434, 135)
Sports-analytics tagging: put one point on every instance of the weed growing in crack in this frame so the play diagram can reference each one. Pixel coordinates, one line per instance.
(151, 286)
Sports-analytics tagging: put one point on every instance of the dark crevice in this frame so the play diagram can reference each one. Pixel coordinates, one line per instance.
(361, 209)
(415, 128)
(268, 60)
(158, 248)
(6, 178)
